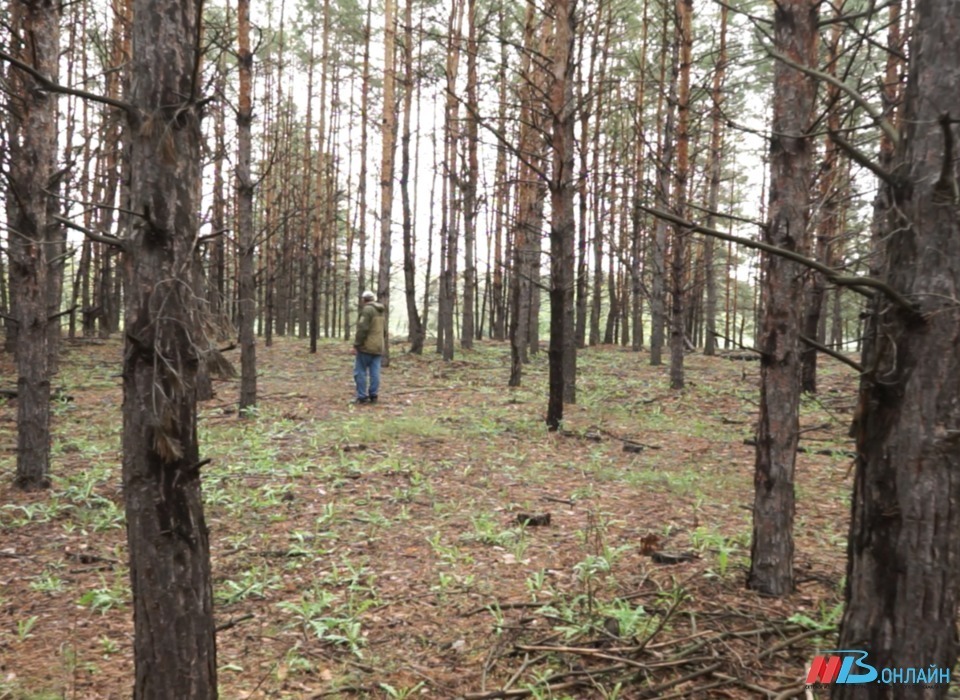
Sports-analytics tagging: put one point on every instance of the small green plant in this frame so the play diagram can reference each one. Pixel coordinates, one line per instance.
(47, 582)
(296, 662)
(32, 513)
(827, 620)
(498, 618)
(449, 554)
(108, 647)
(445, 582)
(347, 632)
(723, 547)
(252, 583)
(25, 627)
(400, 693)
(309, 612)
(631, 621)
(536, 582)
(613, 693)
(105, 598)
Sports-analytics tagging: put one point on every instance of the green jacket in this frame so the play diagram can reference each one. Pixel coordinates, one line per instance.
(369, 338)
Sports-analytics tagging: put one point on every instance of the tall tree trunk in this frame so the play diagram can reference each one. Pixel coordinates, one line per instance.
(681, 175)
(451, 202)
(416, 330)
(364, 150)
(217, 291)
(713, 198)
(529, 198)
(502, 194)
(791, 154)
(586, 87)
(903, 571)
(666, 115)
(247, 305)
(562, 355)
(311, 202)
(639, 190)
(388, 138)
(33, 154)
(826, 226)
(174, 638)
(470, 177)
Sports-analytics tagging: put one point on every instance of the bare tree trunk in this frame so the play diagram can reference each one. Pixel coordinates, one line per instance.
(311, 233)
(713, 199)
(637, 220)
(174, 638)
(416, 330)
(364, 148)
(826, 226)
(217, 291)
(681, 175)
(658, 309)
(470, 178)
(33, 155)
(562, 360)
(388, 138)
(449, 229)
(501, 196)
(247, 305)
(791, 153)
(527, 231)
(903, 572)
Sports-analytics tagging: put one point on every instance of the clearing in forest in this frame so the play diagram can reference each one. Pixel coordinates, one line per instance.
(440, 543)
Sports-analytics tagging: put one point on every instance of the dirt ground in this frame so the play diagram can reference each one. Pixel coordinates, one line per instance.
(441, 543)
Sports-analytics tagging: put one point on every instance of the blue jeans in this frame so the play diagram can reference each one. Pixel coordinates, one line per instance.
(363, 364)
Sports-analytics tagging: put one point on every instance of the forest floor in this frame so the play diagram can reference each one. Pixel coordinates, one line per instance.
(401, 549)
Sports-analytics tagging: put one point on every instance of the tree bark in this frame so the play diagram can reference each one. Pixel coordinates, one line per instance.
(529, 197)
(713, 200)
(388, 137)
(470, 177)
(562, 356)
(33, 154)
(174, 639)
(830, 195)
(771, 566)
(681, 175)
(903, 571)
(415, 327)
(498, 311)
(449, 229)
(658, 254)
(247, 306)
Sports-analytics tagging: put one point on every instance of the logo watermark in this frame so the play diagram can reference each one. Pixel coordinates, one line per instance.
(850, 666)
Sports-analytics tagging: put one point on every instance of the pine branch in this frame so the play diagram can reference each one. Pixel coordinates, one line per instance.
(48, 84)
(832, 353)
(861, 158)
(857, 284)
(108, 240)
(874, 113)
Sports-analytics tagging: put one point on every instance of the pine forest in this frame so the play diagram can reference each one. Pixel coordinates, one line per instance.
(666, 297)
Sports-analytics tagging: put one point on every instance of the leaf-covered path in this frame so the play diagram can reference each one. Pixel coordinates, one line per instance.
(402, 548)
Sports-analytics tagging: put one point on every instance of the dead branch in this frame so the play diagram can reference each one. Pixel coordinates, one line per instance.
(48, 84)
(840, 357)
(234, 622)
(855, 283)
(860, 157)
(108, 240)
(861, 101)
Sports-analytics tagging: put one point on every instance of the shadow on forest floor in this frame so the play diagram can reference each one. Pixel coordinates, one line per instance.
(401, 549)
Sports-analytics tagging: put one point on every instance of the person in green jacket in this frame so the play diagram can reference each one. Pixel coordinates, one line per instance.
(368, 348)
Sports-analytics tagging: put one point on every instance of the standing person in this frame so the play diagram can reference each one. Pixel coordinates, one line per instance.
(368, 347)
